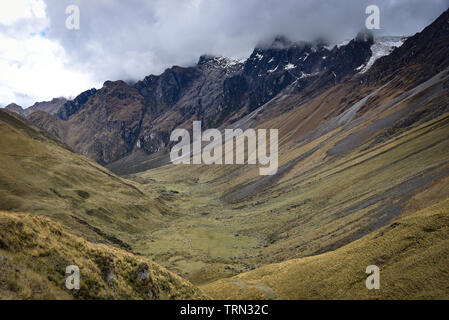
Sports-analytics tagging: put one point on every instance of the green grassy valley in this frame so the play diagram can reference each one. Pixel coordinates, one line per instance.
(412, 254)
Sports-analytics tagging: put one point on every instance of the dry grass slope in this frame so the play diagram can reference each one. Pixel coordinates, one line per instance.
(412, 254)
(34, 254)
(41, 176)
(321, 204)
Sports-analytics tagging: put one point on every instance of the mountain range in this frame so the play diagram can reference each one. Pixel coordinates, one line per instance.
(130, 124)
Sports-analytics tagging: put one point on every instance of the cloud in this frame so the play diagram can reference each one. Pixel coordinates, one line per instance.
(131, 39)
(14, 11)
(33, 67)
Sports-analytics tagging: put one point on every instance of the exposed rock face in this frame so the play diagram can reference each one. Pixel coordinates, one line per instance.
(101, 124)
(121, 119)
(270, 70)
(107, 268)
(15, 108)
(181, 95)
(51, 107)
(144, 277)
(71, 107)
(106, 122)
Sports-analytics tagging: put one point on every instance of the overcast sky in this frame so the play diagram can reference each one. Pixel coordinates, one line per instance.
(128, 39)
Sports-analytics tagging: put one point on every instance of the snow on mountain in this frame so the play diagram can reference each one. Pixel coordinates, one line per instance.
(382, 46)
(228, 63)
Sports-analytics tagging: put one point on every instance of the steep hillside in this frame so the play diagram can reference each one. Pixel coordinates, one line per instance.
(104, 128)
(40, 175)
(53, 125)
(412, 254)
(34, 254)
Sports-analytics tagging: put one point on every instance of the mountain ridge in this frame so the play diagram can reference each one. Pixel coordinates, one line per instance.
(217, 91)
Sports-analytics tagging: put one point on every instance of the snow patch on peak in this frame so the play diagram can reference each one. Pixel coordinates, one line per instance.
(273, 70)
(307, 75)
(382, 46)
(226, 63)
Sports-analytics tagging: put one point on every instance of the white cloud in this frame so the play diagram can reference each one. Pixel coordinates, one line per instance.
(13, 11)
(36, 69)
(6, 94)
(38, 8)
(33, 67)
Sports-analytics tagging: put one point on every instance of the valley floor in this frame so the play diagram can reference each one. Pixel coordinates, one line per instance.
(412, 254)
(321, 204)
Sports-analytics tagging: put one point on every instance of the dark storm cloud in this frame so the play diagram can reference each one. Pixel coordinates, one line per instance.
(130, 39)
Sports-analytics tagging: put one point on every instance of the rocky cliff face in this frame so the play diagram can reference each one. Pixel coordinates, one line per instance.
(51, 107)
(272, 69)
(71, 107)
(12, 107)
(104, 124)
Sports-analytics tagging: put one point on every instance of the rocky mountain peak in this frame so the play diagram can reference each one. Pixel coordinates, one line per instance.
(365, 36)
(205, 58)
(15, 108)
(219, 61)
(71, 107)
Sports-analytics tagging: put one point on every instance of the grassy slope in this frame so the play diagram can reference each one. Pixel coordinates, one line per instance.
(34, 253)
(39, 175)
(412, 254)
